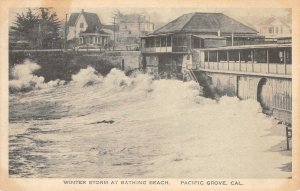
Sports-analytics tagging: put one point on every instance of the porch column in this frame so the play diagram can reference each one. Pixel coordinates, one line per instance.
(159, 41)
(284, 60)
(252, 59)
(268, 71)
(166, 41)
(208, 60)
(191, 42)
(218, 63)
(227, 60)
(240, 63)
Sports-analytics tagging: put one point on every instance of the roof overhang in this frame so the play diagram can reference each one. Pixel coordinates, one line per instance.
(249, 47)
(155, 35)
(93, 34)
(210, 37)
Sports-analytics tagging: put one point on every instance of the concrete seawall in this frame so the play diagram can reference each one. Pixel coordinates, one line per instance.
(273, 93)
(62, 65)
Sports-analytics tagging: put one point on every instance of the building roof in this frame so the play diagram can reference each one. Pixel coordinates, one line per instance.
(72, 19)
(92, 20)
(205, 22)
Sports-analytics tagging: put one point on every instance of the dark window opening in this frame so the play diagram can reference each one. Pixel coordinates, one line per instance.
(223, 56)
(234, 56)
(260, 56)
(276, 55)
(246, 56)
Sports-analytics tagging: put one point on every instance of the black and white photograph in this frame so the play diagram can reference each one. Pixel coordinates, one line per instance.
(150, 93)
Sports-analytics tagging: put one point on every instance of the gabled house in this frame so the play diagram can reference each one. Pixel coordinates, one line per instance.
(86, 29)
(274, 27)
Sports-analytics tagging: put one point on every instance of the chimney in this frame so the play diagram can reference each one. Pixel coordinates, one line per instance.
(82, 10)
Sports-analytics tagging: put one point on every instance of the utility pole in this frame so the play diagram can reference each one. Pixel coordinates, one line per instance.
(139, 22)
(114, 31)
(66, 28)
(232, 34)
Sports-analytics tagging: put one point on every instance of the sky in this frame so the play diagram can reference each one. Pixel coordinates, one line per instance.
(248, 16)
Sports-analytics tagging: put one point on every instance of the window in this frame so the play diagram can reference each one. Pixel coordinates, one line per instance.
(125, 26)
(271, 30)
(275, 55)
(260, 56)
(213, 56)
(129, 32)
(81, 25)
(234, 55)
(163, 41)
(223, 56)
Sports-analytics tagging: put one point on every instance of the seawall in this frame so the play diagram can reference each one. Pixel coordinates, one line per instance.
(273, 93)
(62, 65)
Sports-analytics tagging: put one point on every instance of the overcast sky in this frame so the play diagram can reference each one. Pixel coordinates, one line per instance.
(164, 15)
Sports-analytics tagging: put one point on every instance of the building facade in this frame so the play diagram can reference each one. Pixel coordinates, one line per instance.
(170, 48)
(131, 27)
(86, 29)
(274, 27)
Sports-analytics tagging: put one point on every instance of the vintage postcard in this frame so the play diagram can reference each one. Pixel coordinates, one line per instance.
(149, 95)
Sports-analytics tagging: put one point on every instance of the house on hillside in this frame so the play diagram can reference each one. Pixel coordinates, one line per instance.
(274, 27)
(132, 26)
(172, 46)
(85, 28)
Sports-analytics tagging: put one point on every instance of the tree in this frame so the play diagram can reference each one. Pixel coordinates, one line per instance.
(41, 28)
(24, 25)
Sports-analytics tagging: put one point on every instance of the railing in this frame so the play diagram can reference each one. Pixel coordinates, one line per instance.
(265, 68)
(157, 49)
(180, 48)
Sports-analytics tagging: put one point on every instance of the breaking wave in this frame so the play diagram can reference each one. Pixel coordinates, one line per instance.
(86, 77)
(129, 126)
(25, 80)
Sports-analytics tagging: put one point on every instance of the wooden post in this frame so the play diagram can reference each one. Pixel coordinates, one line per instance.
(218, 60)
(190, 42)
(252, 59)
(203, 58)
(227, 60)
(159, 41)
(240, 63)
(166, 41)
(208, 59)
(284, 61)
(66, 33)
(268, 71)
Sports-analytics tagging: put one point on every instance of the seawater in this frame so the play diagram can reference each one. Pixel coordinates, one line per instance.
(135, 127)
